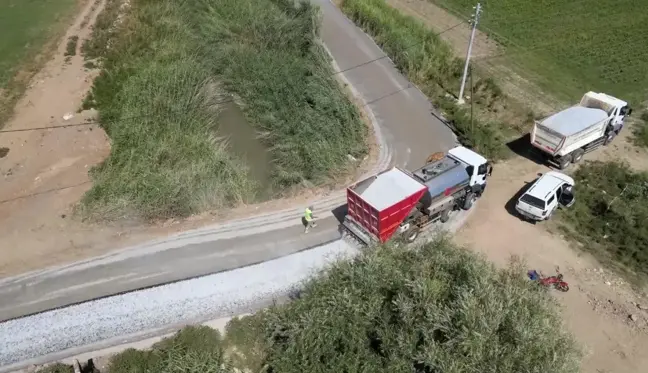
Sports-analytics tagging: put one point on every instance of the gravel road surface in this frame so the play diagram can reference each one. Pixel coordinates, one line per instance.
(222, 294)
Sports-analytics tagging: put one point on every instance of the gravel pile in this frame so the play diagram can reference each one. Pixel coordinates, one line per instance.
(218, 295)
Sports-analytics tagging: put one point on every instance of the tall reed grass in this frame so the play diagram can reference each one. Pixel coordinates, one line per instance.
(167, 64)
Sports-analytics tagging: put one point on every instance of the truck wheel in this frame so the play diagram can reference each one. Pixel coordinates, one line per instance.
(445, 216)
(412, 234)
(469, 201)
(565, 161)
(577, 155)
(610, 136)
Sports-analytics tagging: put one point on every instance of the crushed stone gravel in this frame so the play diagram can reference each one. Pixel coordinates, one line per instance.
(217, 295)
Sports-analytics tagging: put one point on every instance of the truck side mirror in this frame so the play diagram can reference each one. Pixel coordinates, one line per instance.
(629, 111)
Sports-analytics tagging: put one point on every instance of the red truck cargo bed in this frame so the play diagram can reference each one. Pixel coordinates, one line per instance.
(379, 204)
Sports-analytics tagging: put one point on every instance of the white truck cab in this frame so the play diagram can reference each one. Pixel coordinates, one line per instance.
(476, 166)
(549, 191)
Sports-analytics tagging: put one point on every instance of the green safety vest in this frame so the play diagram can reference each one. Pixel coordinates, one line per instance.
(308, 214)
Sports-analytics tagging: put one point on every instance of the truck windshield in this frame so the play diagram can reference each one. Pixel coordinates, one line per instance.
(533, 201)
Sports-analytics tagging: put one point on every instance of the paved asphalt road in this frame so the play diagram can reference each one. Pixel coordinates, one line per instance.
(406, 131)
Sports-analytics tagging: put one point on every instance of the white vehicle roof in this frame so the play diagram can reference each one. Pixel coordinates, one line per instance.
(573, 120)
(548, 183)
(467, 156)
(389, 188)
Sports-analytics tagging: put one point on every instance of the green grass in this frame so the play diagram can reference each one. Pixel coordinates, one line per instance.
(57, 368)
(569, 48)
(428, 62)
(192, 350)
(169, 65)
(27, 27)
(611, 222)
(438, 308)
(641, 131)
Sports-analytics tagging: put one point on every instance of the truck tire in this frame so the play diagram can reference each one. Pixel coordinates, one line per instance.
(577, 155)
(445, 216)
(565, 161)
(412, 234)
(609, 137)
(469, 201)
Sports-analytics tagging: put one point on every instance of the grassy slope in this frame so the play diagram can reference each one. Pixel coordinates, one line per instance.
(26, 27)
(575, 46)
(171, 63)
(609, 221)
(440, 308)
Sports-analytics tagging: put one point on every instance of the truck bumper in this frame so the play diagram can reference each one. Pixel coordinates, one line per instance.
(354, 228)
(527, 215)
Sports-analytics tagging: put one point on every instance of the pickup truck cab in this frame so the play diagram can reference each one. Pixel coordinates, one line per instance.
(549, 191)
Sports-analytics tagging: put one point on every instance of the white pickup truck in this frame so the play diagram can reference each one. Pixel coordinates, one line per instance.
(566, 136)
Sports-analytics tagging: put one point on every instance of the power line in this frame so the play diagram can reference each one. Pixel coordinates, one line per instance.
(93, 122)
(50, 127)
(43, 192)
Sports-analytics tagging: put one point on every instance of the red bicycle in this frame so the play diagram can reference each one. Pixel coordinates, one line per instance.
(556, 282)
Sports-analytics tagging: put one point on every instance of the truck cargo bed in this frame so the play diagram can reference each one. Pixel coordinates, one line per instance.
(387, 189)
(379, 204)
(574, 120)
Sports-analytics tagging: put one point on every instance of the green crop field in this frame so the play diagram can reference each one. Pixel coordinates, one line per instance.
(569, 47)
(26, 26)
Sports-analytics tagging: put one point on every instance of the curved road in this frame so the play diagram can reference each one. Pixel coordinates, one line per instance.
(407, 134)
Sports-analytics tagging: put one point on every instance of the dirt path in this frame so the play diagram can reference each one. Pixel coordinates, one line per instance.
(45, 172)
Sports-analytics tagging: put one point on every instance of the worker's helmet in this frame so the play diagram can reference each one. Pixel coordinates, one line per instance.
(310, 207)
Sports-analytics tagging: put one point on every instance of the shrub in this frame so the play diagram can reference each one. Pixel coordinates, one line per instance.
(435, 309)
(192, 350)
(170, 66)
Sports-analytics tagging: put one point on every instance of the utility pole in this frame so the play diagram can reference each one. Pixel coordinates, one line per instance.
(473, 21)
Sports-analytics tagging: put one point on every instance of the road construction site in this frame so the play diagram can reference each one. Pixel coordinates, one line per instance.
(243, 265)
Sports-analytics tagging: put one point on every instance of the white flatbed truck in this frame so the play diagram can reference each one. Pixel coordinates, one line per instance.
(564, 137)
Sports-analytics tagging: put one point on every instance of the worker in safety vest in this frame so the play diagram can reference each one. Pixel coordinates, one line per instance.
(309, 218)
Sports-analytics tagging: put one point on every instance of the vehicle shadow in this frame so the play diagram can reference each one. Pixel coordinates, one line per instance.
(510, 204)
(522, 147)
(340, 212)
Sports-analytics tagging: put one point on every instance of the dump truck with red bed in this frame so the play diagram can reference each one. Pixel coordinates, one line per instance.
(399, 202)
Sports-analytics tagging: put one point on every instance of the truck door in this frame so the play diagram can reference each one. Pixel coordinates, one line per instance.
(623, 113)
(482, 172)
(617, 119)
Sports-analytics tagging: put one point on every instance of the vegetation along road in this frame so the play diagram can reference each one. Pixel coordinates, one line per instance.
(405, 127)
